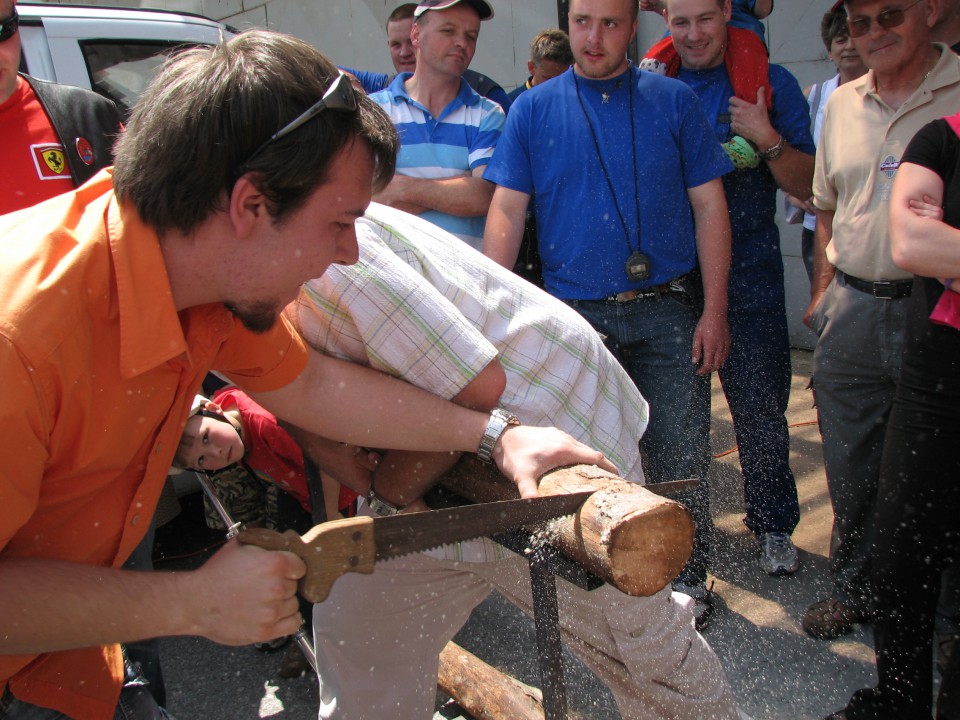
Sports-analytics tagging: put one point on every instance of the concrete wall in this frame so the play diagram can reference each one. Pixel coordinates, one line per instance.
(352, 33)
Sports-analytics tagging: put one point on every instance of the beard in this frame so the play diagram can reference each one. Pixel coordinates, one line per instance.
(257, 317)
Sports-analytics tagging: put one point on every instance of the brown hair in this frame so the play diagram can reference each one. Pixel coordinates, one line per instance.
(551, 45)
(402, 12)
(832, 25)
(186, 442)
(198, 123)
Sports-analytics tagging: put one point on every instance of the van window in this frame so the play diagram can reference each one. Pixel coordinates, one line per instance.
(120, 69)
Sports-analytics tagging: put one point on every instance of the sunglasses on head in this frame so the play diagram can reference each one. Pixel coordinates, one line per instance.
(860, 26)
(339, 96)
(9, 27)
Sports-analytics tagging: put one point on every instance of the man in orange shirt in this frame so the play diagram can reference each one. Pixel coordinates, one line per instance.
(115, 301)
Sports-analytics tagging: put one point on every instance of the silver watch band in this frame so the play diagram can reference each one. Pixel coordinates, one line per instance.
(774, 151)
(380, 506)
(499, 421)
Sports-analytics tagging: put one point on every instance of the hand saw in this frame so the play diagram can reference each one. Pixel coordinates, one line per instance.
(355, 544)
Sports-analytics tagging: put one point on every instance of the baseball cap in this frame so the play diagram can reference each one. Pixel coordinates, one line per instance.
(483, 8)
(836, 6)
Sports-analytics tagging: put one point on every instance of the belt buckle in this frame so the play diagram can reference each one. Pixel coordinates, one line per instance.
(884, 289)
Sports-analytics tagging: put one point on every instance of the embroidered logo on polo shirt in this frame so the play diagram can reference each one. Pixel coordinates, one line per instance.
(889, 166)
(50, 160)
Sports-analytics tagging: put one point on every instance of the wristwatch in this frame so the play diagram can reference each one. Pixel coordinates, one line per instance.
(380, 506)
(774, 151)
(499, 421)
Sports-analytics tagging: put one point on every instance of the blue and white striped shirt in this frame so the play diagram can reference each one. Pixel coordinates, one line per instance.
(460, 140)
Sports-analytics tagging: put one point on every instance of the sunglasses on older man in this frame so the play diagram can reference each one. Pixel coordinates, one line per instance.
(860, 26)
(9, 27)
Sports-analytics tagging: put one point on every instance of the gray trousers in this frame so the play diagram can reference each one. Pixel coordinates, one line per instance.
(856, 366)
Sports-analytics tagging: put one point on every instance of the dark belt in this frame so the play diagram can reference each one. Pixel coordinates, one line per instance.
(654, 291)
(882, 289)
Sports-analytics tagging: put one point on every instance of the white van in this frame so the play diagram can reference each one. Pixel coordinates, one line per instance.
(110, 50)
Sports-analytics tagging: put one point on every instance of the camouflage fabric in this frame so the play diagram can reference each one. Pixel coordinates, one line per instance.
(244, 495)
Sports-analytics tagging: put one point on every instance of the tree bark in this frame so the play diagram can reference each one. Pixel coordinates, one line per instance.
(630, 537)
(485, 692)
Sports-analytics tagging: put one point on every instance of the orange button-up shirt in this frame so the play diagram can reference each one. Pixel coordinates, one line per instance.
(99, 370)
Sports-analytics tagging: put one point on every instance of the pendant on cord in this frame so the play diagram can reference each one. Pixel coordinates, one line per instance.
(638, 266)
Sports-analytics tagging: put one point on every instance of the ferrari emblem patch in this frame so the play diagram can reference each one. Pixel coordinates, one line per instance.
(51, 161)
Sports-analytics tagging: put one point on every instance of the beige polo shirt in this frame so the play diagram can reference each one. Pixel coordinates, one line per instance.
(861, 144)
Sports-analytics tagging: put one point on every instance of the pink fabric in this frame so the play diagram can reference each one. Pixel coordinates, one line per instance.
(947, 310)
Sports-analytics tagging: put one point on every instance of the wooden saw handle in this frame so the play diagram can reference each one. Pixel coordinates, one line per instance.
(329, 550)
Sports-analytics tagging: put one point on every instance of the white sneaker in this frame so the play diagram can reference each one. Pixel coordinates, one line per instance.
(778, 556)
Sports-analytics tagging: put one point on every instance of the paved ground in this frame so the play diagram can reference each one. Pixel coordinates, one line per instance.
(777, 672)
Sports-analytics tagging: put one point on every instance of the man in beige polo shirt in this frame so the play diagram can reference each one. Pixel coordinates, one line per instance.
(858, 295)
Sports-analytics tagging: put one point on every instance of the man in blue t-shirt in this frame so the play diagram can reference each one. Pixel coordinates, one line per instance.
(756, 377)
(447, 131)
(624, 175)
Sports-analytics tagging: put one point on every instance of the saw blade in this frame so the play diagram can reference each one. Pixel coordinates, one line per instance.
(414, 532)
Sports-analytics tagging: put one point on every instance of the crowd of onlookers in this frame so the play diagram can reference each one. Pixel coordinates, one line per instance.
(515, 270)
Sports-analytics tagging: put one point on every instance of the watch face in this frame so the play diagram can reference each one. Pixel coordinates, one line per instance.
(638, 266)
(381, 507)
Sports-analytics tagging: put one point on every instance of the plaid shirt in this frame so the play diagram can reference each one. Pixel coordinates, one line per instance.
(421, 306)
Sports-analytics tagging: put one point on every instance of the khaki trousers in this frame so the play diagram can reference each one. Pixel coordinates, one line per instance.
(378, 638)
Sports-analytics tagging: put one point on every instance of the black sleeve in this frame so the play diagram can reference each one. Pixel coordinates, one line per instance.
(937, 148)
(86, 123)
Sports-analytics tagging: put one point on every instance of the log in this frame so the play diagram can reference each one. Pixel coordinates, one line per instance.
(485, 692)
(630, 537)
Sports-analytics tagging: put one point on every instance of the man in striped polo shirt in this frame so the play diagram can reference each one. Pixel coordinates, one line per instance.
(447, 131)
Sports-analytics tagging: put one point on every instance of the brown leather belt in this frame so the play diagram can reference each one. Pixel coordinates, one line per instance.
(882, 289)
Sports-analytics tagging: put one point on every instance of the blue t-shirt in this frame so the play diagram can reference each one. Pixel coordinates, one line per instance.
(547, 150)
(752, 193)
(742, 16)
(515, 93)
(371, 82)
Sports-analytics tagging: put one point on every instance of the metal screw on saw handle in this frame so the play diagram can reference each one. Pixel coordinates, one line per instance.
(302, 637)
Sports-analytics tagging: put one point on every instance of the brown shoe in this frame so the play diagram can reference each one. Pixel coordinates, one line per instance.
(831, 618)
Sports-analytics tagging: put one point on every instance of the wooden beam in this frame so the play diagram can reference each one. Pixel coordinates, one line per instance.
(633, 539)
(485, 692)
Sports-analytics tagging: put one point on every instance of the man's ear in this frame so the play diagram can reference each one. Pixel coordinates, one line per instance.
(933, 12)
(530, 67)
(415, 35)
(727, 10)
(247, 205)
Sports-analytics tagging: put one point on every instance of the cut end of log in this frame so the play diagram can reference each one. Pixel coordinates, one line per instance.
(634, 539)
